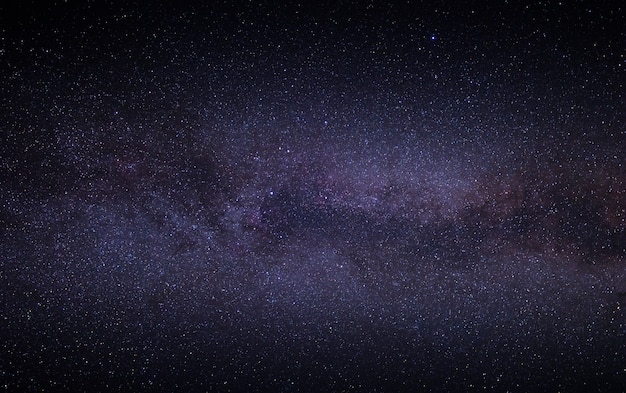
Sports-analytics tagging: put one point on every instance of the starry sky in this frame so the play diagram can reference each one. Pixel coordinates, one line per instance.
(326, 196)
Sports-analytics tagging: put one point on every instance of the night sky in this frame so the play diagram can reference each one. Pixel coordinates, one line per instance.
(332, 196)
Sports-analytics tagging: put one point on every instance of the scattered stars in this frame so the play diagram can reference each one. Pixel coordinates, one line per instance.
(380, 197)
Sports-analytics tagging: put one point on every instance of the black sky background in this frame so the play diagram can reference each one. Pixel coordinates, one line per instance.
(339, 196)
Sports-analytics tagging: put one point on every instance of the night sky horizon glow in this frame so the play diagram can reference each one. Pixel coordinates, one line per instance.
(340, 197)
